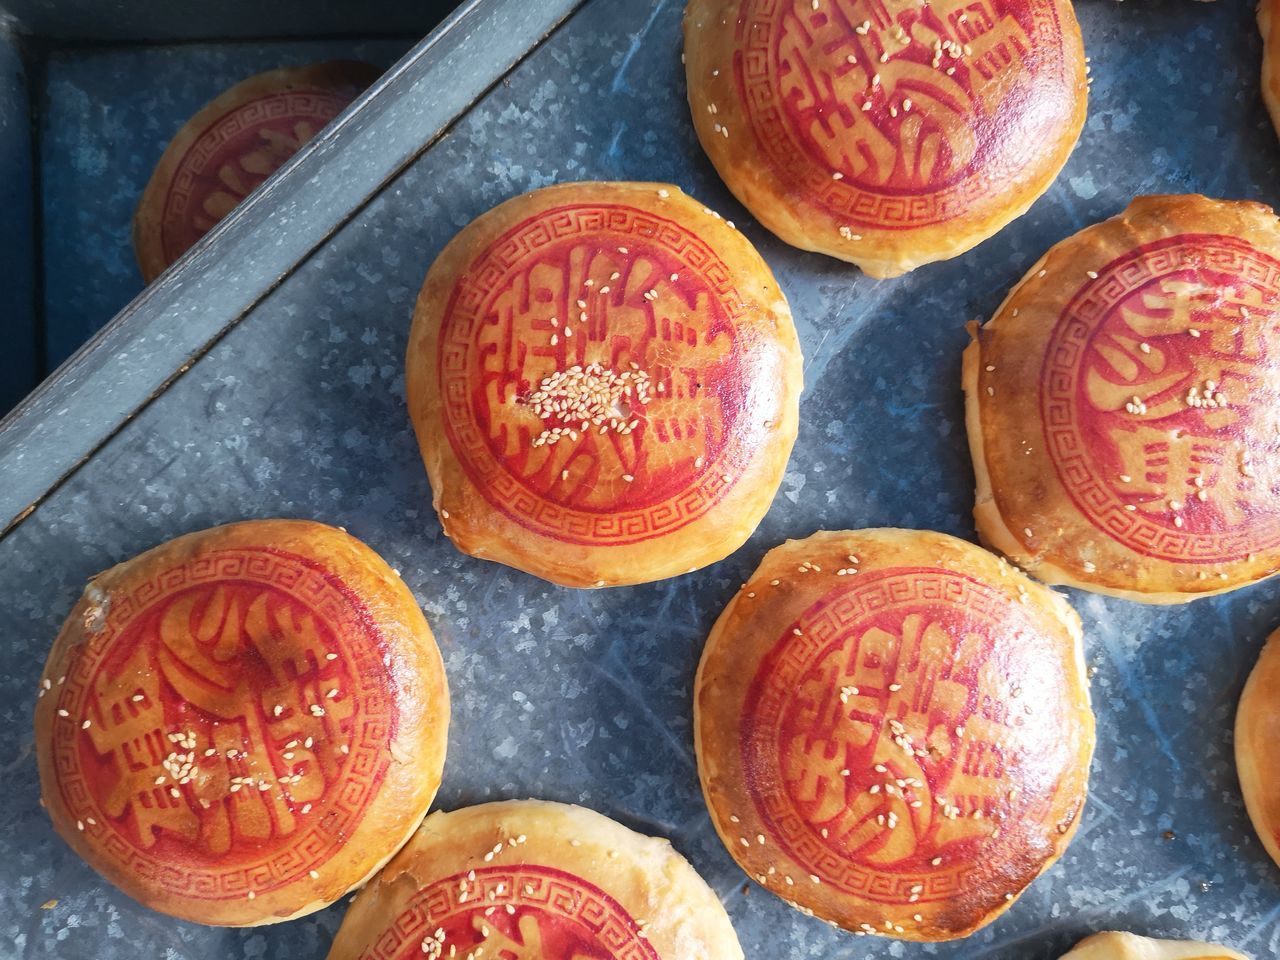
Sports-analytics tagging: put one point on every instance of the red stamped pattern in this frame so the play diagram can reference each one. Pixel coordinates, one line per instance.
(228, 726)
(234, 155)
(1160, 400)
(527, 912)
(922, 109)
(596, 300)
(902, 731)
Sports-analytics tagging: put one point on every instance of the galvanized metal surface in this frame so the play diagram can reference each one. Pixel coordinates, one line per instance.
(165, 21)
(261, 241)
(585, 696)
(18, 358)
(108, 114)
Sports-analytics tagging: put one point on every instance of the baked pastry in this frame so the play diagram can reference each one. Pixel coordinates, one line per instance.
(604, 379)
(1123, 405)
(241, 725)
(1258, 746)
(1127, 946)
(534, 880)
(893, 730)
(887, 134)
(1269, 25)
(232, 145)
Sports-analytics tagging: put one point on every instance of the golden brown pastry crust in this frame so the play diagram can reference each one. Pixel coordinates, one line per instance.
(1269, 26)
(232, 145)
(1258, 746)
(240, 725)
(541, 311)
(1123, 405)
(547, 877)
(1127, 946)
(937, 163)
(899, 750)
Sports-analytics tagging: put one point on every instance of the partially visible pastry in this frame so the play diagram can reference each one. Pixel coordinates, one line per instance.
(1127, 946)
(1258, 746)
(893, 730)
(243, 724)
(604, 379)
(1123, 405)
(1269, 25)
(231, 146)
(531, 880)
(887, 134)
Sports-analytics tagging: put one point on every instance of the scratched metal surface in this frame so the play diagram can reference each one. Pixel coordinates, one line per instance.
(585, 696)
(107, 115)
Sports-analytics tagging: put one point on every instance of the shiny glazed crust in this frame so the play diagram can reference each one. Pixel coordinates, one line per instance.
(1128, 946)
(738, 674)
(475, 515)
(1258, 746)
(347, 77)
(415, 758)
(778, 199)
(646, 880)
(1023, 509)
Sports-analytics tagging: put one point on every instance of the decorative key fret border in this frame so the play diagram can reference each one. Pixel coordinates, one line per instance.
(756, 66)
(559, 898)
(215, 146)
(1087, 312)
(467, 309)
(347, 800)
(845, 611)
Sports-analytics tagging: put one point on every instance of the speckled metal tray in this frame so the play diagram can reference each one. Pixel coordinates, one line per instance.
(296, 409)
(90, 94)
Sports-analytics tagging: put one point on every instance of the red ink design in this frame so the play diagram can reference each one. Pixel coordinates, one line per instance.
(661, 304)
(889, 732)
(960, 137)
(556, 916)
(1127, 391)
(238, 652)
(234, 155)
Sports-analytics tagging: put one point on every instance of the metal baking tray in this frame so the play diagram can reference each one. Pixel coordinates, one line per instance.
(262, 377)
(90, 94)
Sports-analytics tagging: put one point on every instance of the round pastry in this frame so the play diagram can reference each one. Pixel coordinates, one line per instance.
(1258, 746)
(1123, 405)
(889, 135)
(604, 379)
(1127, 946)
(231, 146)
(893, 730)
(535, 881)
(1269, 25)
(241, 725)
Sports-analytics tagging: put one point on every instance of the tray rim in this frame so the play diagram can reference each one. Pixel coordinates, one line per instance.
(172, 323)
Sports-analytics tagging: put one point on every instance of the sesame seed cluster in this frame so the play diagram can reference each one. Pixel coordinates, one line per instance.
(583, 398)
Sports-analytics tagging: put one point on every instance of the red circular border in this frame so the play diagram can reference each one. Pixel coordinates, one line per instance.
(999, 161)
(568, 900)
(468, 305)
(348, 798)
(1083, 315)
(829, 624)
(219, 143)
